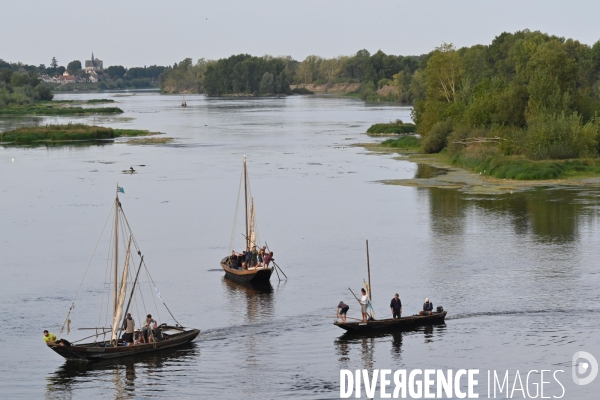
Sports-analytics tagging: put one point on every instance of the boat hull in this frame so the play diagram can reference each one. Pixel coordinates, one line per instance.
(256, 276)
(391, 325)
(96, 351)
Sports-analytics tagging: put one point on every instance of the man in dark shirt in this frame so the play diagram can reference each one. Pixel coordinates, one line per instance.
(427, 307)
(396, 306)
(342, 310)
(247, 258)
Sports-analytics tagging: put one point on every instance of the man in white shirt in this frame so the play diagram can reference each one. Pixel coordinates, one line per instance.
(363, 304)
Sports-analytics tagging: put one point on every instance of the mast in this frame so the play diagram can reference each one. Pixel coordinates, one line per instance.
(246, 203)
(116, 250)
(369, 272)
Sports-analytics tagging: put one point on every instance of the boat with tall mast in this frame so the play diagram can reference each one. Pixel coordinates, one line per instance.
(258, 274)
(388, 324)
(107, 343)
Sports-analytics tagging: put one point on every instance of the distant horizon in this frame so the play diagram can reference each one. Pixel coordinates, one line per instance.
(161, 34)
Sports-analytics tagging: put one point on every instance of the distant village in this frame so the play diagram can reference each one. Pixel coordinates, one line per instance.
(92, 68)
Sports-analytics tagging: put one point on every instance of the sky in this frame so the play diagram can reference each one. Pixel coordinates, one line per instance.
(146, 32)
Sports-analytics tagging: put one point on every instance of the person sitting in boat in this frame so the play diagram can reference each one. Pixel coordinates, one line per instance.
(137, 337)
(234, 260)
(396, 306)
(128, 326)
(149, 326)
(427, 307)
(363, 305)
(342, 310)
(268, 257)
(49, 338)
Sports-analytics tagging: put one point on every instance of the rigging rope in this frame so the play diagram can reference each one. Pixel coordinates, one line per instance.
(84, 275)
(235, 215)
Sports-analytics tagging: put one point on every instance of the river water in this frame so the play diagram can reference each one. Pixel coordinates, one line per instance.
(517, 273)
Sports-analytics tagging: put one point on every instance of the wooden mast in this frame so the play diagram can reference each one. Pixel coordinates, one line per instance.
(369, 272)
(246, 203)
(116, 250)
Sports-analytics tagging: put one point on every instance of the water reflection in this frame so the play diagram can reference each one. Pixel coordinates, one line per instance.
(122, 374)
(548, 214)
(426, 171)
(365, 344)
(256, 300)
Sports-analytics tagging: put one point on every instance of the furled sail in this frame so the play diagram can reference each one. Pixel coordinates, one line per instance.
(121, 299)
(252, 223)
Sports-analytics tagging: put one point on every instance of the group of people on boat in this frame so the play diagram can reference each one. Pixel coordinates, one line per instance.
(150, 333)
(395, 307)
(251, 258)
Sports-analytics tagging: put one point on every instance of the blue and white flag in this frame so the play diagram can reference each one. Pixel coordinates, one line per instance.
(158, 294)
(120, 190)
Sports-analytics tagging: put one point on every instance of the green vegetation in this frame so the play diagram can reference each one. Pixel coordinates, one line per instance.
(97, 101)
(241, 74)
(301, 90)
(403, 142)
(378, 76)
(48, 108)
(520, 168)
(514, 108)
(397, 127)
(69, 132)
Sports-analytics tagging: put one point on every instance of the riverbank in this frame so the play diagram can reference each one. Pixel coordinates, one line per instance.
(337, 88)
(448, 175)
(66, 134)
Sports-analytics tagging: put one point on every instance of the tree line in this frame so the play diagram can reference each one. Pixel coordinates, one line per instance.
(526, 94)
(246, 74)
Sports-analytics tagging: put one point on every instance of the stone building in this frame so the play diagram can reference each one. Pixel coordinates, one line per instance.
(94, 64)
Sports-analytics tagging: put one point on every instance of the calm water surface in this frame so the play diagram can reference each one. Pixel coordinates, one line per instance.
(518, 273)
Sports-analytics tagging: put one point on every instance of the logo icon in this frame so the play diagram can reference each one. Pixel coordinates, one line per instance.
(584, 363)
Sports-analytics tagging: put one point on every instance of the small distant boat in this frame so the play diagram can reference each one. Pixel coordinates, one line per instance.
(233, 269)
(391, 324)
(112, 347)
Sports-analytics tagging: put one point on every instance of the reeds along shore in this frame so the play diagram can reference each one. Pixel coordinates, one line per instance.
(68, 132)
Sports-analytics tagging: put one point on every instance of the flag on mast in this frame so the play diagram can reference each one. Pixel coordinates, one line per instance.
(120, 190)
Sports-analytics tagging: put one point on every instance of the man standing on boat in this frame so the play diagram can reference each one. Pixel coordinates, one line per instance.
(342, 310)
(396, 306)
(364, 304)
(129, 326)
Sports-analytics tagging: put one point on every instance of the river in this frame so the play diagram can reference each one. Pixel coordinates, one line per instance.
(518, 273)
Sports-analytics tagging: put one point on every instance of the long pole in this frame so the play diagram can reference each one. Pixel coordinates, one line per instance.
(246, 203)
(116, 250)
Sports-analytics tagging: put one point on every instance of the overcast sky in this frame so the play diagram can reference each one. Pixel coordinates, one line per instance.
(145, 32)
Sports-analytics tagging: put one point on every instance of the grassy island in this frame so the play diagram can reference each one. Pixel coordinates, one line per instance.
(55, 108)
(66, 133)
(392, 128)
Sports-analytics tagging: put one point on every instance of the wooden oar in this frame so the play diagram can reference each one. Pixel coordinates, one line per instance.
(357, 319)
(274, 263)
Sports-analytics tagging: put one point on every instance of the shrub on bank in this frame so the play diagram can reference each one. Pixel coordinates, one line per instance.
(398, 127)
(404, 142)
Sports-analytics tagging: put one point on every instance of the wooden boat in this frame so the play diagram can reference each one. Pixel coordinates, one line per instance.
(253, 275)
(233, 269)
(104, 350)
(113, 347)
(390, 324)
